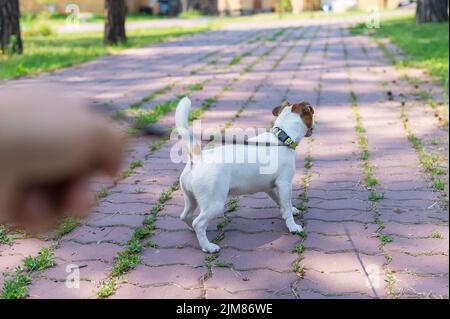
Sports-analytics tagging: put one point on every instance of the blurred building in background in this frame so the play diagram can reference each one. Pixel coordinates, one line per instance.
(59, 6)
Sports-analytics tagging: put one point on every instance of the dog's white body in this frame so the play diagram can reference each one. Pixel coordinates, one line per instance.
(208, 183)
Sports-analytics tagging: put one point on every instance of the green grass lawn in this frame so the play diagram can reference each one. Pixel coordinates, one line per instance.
(46, 53)
(424, 45)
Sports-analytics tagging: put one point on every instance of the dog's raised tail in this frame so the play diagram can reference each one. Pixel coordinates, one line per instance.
(182, 123)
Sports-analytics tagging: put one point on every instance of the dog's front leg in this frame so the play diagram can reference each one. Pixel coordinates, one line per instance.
(273, 194)
(284, 190)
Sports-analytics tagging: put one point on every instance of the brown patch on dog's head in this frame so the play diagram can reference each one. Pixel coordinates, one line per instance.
(306, 112)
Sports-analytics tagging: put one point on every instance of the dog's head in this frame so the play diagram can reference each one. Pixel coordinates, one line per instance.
(296, 117)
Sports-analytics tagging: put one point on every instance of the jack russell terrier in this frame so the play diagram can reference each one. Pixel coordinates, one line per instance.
(209, 183)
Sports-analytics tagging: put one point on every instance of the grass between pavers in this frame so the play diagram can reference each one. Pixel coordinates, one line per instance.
(48, 53)
(128, 258)
(5, 238)
(370, 181)
(15, 285)
(428, 160)
(424, 45)
(65, 227)
(299, 247)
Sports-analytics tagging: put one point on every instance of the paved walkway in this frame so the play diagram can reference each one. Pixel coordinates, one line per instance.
(393, 247)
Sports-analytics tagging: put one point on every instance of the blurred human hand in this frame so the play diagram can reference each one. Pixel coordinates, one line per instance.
(50, 147)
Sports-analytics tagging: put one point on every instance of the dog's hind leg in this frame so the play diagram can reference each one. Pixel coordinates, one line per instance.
(200, 224)
(190, 205)
(273, 194)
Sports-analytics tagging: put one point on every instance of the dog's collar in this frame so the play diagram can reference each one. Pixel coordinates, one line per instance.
(284, 138)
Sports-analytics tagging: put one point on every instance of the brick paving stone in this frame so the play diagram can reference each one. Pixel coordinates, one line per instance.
(127, 291)
(419, 246)
(339, 262)
(108, 220)
(173, 256)
(341, 284)
(89, 270)
(23, 247)
(416, 230)
(256, 225)
(234, 281)
(88, 235)
(253, 294)
(247, 260)
(421, 287)
(259, 241)
(75, 252)
(183, 276)
(47, 289)
(332, 244)
(435, 264)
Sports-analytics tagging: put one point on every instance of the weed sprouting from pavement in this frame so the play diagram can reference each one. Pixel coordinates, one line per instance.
(4, 237)
(16, 283)
(370, 181)
(428, 161)
(42, 261)
(65, 227)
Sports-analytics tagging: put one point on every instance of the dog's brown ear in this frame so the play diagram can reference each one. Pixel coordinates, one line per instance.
(276, 111)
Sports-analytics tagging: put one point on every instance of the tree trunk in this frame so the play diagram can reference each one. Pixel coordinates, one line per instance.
(184, 5)
(10, 38)
(115, 13)
(432, 11)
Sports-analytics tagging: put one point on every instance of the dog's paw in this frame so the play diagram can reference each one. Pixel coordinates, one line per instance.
(211, 248)
(295, 229)
(295, 211)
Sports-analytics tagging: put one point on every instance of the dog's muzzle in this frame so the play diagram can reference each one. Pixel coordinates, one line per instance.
(309, 132)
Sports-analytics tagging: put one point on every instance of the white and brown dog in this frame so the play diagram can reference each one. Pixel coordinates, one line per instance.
(209, 183)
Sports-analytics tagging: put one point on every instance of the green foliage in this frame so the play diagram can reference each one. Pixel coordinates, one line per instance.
(103, 192)
(15, 285)
(195, 86)
(190, 13)
(299, 248)
(107, 288)
(53, 51)
(374, 196)
(424, 45)
(4, 237)
(385, 238)
(436, 234)
(66, 226)
(43, 260)
(135, 164)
